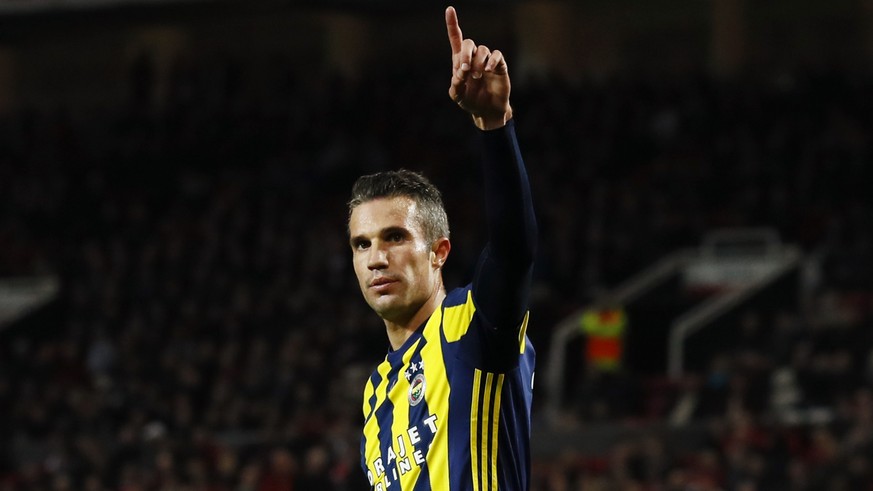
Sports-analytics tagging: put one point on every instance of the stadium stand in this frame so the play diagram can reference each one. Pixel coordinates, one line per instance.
(197, 342)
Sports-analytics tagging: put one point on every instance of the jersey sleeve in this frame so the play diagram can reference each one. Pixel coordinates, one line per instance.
(502, 280)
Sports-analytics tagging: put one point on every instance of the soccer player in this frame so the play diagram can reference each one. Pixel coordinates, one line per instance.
(449, 407)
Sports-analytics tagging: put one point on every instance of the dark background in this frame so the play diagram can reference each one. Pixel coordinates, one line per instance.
(182, 168)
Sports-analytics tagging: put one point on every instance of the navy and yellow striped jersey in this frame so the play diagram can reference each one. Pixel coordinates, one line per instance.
(450, 409)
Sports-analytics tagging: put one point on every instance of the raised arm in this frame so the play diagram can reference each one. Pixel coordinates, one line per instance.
(481, 86)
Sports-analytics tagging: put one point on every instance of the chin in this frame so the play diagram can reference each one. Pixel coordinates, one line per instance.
(381, 305)
(389, 310)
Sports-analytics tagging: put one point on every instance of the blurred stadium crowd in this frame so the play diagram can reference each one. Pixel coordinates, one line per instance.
(210, 335)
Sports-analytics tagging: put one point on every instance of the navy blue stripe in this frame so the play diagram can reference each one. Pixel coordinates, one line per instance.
(375, 379)
(480, 410)
(423, 481)
(417, 414)
(385, 417)
(364, 454)
(491, 449)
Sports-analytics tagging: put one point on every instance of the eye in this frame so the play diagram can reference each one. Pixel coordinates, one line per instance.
(395, 237)
(360, 245)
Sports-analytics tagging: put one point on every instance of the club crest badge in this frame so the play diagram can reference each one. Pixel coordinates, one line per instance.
(416, 390)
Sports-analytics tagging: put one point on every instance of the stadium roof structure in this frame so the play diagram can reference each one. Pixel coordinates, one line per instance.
(17, 7)
(45, 6)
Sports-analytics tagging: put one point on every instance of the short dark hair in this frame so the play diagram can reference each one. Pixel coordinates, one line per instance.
(391, 184)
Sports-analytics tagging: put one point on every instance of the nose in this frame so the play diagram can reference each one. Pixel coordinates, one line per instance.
(378, 258)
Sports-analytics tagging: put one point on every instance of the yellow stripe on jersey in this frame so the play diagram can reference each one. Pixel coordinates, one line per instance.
(437, 399)
(474, 430)
(481, 445)
(407, 474)
(495, 419)
(486, 442)
(522, 332)
(457, 319)
(371, 426)
(369, 390)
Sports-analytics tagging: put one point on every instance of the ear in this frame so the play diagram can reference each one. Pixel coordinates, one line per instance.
(440, 252)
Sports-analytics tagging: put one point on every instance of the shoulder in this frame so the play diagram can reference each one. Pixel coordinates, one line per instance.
(458, 296)
(457, 311)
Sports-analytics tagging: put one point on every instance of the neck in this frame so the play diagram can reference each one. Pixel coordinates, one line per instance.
(399, 332)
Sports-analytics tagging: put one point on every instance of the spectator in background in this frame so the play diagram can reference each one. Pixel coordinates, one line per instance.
(280, 473)
(186, 250)
(604, 324)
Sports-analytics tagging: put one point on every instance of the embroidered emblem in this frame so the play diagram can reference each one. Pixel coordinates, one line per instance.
(416, 390)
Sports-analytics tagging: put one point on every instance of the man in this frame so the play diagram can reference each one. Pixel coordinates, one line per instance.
(449, 408)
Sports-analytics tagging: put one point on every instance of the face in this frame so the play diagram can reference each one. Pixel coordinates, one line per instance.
(398, 270)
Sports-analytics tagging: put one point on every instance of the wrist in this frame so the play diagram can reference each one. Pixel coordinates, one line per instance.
(493, 121)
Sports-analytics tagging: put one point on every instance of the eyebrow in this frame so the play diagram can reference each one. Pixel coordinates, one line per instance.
(385, 231)
(395, 229)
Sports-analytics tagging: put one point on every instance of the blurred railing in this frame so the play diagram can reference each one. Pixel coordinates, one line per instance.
(725, 272)
(20, 296)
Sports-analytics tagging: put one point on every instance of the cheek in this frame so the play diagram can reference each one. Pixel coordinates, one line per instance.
(360, 268)
(422, 267)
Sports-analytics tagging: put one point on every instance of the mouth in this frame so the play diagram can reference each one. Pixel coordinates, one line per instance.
(381, 283)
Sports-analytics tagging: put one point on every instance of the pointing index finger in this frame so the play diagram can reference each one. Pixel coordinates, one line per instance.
(455, 36)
